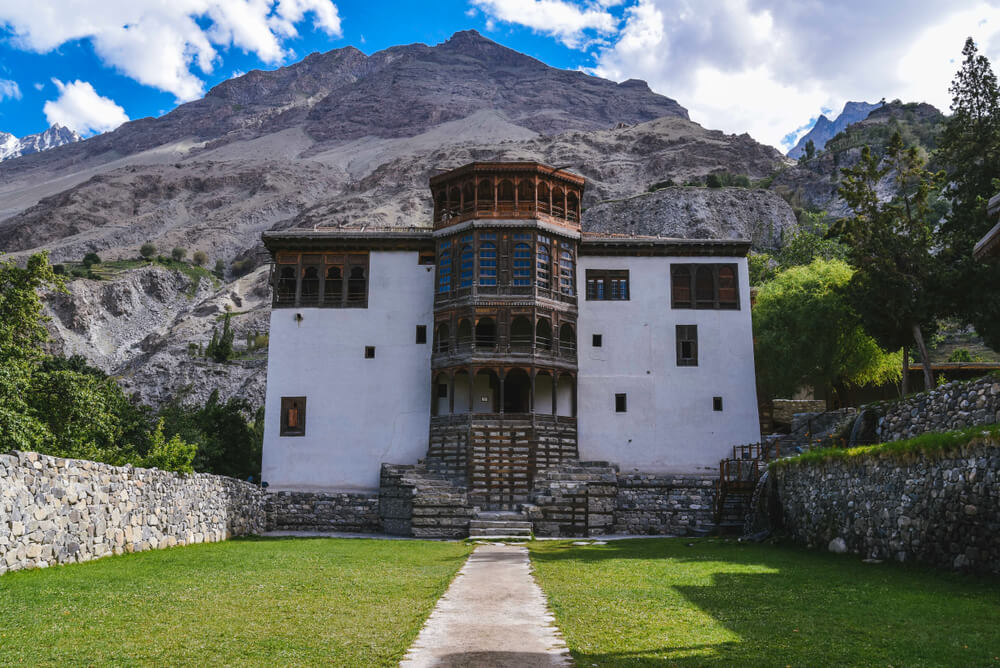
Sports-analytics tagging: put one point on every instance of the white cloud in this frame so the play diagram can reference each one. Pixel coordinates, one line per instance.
(9, 90)
(80, 108)
(568, 22)
(159, 42)
(38, 85)
(768, 66)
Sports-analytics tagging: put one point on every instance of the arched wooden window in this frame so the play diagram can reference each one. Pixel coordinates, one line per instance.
(486, 333)
(517, 392)
(727, 287)
(704, 287)
(454, 201)
(558, 204)
(520, 332)
(468, 196)
(484, 200)
(357, 286)
(464, 338)
(468, 261)
(487, 264)
(572, 206)
(333, 289)
(567, 339)
(505, 195)
(522, 265)
(442, 338)
(310, 286)
(543, 198)
(567, 276)
(543, 334)
(286, 285)
(444, 268)
(526, 194)
(441, 208)
(543, 264)
(680, 286)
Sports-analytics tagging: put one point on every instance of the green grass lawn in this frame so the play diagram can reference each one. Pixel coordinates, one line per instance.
(662, 603)
(246, 602)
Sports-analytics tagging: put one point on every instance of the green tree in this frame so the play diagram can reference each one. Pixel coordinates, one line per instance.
(806, 245)
(894, 289)
(90, 259)
(228, 442)
(169, 455)
(222, 351)
(810, 149)
(147, 250)
(969, 149)
(807, 333)
(22, 334)
(178, 254)
(199, 258)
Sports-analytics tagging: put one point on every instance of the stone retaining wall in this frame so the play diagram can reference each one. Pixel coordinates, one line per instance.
(941, 509)
(57, 511)
(322, 511)
(950, 406)
(663, 504)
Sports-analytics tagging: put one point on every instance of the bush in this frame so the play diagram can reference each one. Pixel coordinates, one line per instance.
(172, 455)
(199, 258)
(961, 355)
(147, 250)
(660, 185)
(80, 273)
(59, 269)
(178, 254)
(220, 268)
(713, 181)
(90, 259)
(242, 267)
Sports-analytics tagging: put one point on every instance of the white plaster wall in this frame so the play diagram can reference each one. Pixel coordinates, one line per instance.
(359, 412)
(670, 425)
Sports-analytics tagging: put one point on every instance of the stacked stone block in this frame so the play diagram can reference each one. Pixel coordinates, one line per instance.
(416, 502)
(938, 508)
(663, 504)
(322, 511)
(575, 499)
(57, 511)
(951, 406)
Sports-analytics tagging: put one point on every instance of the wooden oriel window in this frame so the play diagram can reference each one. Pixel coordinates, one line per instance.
(607, 285)
(687, 345)
(704, 286)
(293, 416)
(318, 279)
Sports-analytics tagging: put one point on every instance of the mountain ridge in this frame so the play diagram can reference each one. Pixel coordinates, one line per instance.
(824, 130)
(57, 135)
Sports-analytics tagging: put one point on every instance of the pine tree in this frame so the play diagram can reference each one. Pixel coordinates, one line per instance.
(213, 345)
(223, 350)
(969, 148)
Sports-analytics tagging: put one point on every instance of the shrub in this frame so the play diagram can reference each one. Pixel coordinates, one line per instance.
(80, 273)
(90, 259)
(147, 250)
(178, 254)
(59, 269)
(241, 267)
(660, 184)
(172, 455)
(199, 258)
(713, 181)
(220, 268)
(960, 355)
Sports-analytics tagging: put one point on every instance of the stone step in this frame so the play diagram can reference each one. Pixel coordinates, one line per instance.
(504, 525)
(499, 533)
(494, 515)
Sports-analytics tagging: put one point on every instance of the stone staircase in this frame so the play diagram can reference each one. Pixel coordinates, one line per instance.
(491, 525)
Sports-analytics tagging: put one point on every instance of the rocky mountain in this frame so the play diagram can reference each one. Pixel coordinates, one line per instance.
(812, 184)
(339, 138)
(57, 135)
(825, 129)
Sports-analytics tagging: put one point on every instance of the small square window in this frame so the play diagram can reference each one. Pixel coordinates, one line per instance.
(598, 340)
(716, 403)
(421, 333)
(293, 416)
(621, 403)
(426, 258)
(687, 345)
(442, 390)
(369, 352)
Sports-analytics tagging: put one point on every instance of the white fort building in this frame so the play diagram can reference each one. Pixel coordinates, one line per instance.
(503, 343)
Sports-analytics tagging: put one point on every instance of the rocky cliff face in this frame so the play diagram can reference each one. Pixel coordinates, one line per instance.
(57, 135)
(339, 138)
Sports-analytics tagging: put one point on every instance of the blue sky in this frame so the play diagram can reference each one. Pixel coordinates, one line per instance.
(767, 67)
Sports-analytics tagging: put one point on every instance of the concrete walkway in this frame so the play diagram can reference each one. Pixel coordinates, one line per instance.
(493, 614)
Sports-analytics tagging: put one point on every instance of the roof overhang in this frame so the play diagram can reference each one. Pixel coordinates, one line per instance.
(989, 245)
(406, 239)
(663, 246)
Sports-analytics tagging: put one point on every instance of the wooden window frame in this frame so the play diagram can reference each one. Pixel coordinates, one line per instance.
(692, 302)
(687, 334)
(717, 404)
(286, 406)
(421, 337)
(597, 340)
(369, 352)
(599, 285)
(621, 402)
(300, 263)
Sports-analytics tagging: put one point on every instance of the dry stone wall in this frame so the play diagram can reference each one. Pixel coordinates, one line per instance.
(940, 508)
(322, 511)
(663, 504)
(57, 511)
(951, 406)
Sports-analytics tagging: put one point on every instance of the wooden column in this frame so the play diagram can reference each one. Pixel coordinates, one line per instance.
(451, 393)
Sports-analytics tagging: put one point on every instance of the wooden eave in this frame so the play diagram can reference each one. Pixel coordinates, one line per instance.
(508, 168)
(989, 245)
(661, 246)
(409, 239)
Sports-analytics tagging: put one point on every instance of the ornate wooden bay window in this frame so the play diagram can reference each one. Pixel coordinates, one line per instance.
(329, 280)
